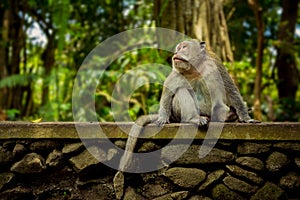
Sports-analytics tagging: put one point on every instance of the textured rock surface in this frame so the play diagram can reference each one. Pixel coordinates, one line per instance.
(6, 178)
(253, 148)
(276, 161)
(221, 192)
(269, 191)
(31, 163)
(131, 194)
(88, 158)
(186, 177)
(72, 148)
(251, 176)
(238, 185)
(245, 165)
(251, 162)
(291, 181)
(215, 156)
(211, 178)
(54, 159)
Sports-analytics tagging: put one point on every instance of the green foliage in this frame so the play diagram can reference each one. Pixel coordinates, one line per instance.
(76, 27)
(17, 80)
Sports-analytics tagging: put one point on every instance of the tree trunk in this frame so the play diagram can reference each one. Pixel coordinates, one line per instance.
(257, 9)
(4, 54)
(49, 61)
(285, 61)
(288, 75)
(199, 19)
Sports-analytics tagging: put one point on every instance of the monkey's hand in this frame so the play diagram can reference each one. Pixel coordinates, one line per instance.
(203, 120)
(162, 121)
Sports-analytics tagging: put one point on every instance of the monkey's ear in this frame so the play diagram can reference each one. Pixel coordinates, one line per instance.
(202, 45)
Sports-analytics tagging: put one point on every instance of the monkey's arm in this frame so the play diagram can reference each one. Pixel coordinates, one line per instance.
(165, 107)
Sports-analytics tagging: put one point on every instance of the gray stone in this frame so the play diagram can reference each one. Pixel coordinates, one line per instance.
(54, 159)
(289, 146)
(211, 178)
(297, 161)
(238, 185)
(221, 192)
(111, 153)
(154, 190)
(253, 177)
(19, 150)
(87, 158)
(186, 177)
(180, 195)
(120, 143)
(44, 146)
(31, 163)
(198, 197)
(9, 145)
(251, 162)
(276, 161)
(72, 148)
(131, 194)
(269, 191)
(18, 192)
(179, 153)
(191, 156)
(6, 178)
(164, 197)
(253, 148)
(291, 181)
(5, 156)
(95, 191)
(148, 146)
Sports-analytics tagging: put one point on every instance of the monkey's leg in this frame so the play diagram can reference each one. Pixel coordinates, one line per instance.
(185, 108)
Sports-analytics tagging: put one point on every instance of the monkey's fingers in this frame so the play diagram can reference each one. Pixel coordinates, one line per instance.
(203, 120)
(161, 122)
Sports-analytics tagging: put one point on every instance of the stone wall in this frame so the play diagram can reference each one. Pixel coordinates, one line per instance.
(49, 161)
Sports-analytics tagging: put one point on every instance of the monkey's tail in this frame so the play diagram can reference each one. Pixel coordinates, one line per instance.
(135, 131)
(126, 159)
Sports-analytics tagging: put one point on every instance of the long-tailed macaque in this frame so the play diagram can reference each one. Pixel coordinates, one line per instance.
(197, 90)
(216, 94)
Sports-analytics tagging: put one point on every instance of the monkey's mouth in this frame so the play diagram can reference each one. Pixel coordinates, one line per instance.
(177, 58)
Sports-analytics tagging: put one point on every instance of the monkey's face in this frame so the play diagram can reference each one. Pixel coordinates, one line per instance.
(187, 55)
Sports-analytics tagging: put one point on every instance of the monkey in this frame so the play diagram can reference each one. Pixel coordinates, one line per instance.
(183, 107)
(198, 90)
(221, 99)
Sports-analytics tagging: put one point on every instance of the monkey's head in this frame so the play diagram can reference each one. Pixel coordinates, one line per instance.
(188, 54)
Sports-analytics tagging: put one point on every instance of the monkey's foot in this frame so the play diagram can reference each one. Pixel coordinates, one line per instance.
(200, 120)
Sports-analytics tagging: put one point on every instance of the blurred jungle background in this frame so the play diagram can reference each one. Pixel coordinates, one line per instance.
(44, 42)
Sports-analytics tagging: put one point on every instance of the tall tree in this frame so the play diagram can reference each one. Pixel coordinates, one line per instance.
(200, 19)
(258, 13)
(13, 41)
(287, 72)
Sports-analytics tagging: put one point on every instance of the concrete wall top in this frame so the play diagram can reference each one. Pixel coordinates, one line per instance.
(90, 130)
